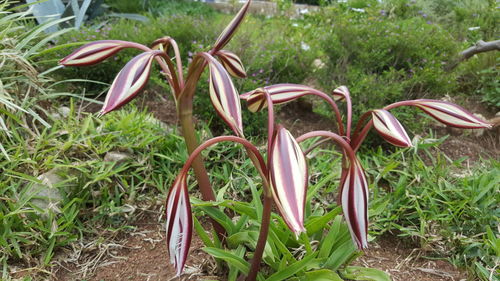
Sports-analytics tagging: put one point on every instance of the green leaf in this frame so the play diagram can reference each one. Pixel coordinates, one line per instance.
(291, 269)
(322, 275)
(365, 274)
(340, 255)
(201, 233)
(318, 223)
(229, 257)
(249, 238)
(220, 217)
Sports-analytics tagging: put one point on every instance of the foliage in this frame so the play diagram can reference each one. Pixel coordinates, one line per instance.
(94, 193)
(382, 58)
(21, 86)
(448, 208)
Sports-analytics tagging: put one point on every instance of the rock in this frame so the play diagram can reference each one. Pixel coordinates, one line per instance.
(498, 114)
(318, 64)
(476, 132)
(64, 111)
(116, 156)
(47, 194)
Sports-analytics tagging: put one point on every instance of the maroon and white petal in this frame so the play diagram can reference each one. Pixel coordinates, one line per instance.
(341, 93)
(230, 29)
(390, 129)
(224, 95)
(288, 171)
(232, 63)
(129, 81)
(94, 52)
(280, 93)
(355, 203)
(450, 114)
(179, 225)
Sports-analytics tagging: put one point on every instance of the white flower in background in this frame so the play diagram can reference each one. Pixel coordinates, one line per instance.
(304, 46)
(474, 28)
(358, 10)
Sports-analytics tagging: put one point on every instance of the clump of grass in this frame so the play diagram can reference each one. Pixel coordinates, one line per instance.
(90, 191)
(447, 207)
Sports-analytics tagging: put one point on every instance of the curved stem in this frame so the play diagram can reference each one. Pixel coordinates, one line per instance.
(178, 61)
(348, 151)
(360, 123)
(170, 72)
(184, 102)
(335, 108)
(266, 212)
(216, 140)
(270, 123)
(400, 103)
(268, 199)
(349, 115)
(362, 135)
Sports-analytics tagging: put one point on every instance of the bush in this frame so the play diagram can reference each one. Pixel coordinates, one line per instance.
(385, 60)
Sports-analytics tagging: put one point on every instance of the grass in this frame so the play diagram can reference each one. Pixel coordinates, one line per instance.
(91, 193)
(448, 208)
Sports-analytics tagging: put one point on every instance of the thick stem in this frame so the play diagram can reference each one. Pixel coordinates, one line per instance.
(188, 132)
(261, 242)
(184, 101)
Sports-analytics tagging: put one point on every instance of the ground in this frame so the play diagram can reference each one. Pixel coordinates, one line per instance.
(141, 255)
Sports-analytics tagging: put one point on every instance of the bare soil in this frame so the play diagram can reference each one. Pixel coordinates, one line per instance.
(142, 256)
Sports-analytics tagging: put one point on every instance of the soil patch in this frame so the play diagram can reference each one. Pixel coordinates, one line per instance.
(406, 263)
(143, 256)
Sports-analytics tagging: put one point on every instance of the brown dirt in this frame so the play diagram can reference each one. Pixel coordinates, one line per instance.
(404, 262)
(142, 255)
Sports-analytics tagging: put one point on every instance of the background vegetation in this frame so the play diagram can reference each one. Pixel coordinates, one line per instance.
(384, 52)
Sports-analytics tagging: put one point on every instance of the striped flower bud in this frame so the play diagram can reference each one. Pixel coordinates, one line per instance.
(340, 93)
(355, 203)
(232, 63)
(390, 129)
(179, 225)
(129, 81)
(288, 171)
(230, 29)
(224, 95)
(450, 114)
(280, 93)
(94, 52)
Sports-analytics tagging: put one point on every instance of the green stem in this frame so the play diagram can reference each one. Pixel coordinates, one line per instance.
(185, 114)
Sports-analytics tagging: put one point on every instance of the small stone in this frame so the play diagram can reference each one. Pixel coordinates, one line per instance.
(116, 156)
(475, 132)
(47, 195)
(64, 111)
(498, 114)
(318, 64)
